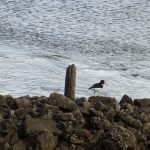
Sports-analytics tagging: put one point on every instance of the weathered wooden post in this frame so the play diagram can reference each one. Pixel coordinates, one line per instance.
(70, 82)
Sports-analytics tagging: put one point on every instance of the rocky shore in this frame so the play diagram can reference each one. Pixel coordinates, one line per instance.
(58, 123)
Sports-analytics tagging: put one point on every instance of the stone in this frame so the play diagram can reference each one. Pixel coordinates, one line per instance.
(48, 111)
(79, 119)
(19, 145)
(96, 137)
(117, 107)
(80, 101)
(110, 114)
(1, 117)
(109, 101)
(42, 99)
(75, 140)
(37, 125)
(3, 103)
(62, 102)
(11, 137)
(5, 113)
(146, 129)
(67, 117)
(2, 142)
(21, 113)
(128, 107)
(144, 109)
(118, 138)
(6, 146)
(87, 105)
(23, 102)
(11, 102)
(46, 141)
(126, 99)
(130, 121)
(48, 107)
(139, 115)
(145, 102)
(62, 124)
(6, 126)
(93, 112)
(100, 123)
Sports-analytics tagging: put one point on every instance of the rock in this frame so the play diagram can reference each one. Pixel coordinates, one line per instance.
(95, 113)
(118, 138)
(129, 120)
(108, 101)
(4, 113)
(37, 125)
(83, 103)
(70, 120)
(64, 145)
(46, 141)
(97, 136)
(117, 107)
(82, 133)
(49, 111)
(97, 104)
(87, 105)
(67, 117)
(146, 129)
(50, 108)
(62, 102)
(1, 117)
(41, 131)
(2, 142)
(58, 123)
(41, 99)
(126, 99)
(128, 108)
(79, 119)
(6, 126)
(145, 102)
(11, 102)
(57, 115)
(80, 101)
(144, 109)
(100, 123)
(3, 103)
(110, 114)
(139, 115)
(23, 102)
(21, 113)
(19, 145)
(75, 140)
(11, 137)
(84, 109)
(6, 146)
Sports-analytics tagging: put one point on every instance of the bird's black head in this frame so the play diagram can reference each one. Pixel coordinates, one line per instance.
(102, 82)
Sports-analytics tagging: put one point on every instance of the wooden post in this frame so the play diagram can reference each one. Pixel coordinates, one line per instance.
(70, 82)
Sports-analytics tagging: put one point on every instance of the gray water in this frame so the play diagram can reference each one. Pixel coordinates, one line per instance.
(106, 39)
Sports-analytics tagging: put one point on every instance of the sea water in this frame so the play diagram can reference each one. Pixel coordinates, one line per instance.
(105, 39)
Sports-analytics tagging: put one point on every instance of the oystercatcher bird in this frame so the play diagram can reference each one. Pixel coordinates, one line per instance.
(95, 87)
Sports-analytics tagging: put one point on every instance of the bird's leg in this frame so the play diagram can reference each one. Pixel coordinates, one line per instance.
(98, 92)
(94, 92)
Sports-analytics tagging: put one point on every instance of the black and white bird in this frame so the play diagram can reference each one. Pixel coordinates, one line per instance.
(97, 86)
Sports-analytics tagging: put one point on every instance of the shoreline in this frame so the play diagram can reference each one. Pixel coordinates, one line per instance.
(59, 123)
